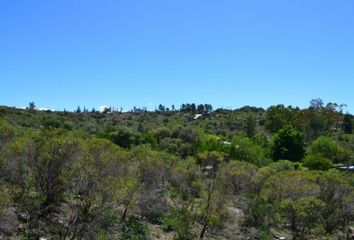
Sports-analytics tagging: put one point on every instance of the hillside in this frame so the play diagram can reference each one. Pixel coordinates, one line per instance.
(187, 173)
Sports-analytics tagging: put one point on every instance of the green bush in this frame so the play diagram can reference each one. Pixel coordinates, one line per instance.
(326, 147)
(317, 162)
(288, 144)
(134, 230)
(6, 132)
(102, 235)
(110, 216)
(243, 149)
(23, 237)
(169, 223)
(282, 165)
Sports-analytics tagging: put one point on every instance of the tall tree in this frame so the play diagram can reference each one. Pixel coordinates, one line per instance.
(316, 104)
(31, 106)
(193, 107)
(288, 144)
(208, 108)
(161, 108)
(183, 107)
(200, 108)
(277, 117)
(347, 123)
(250, 126)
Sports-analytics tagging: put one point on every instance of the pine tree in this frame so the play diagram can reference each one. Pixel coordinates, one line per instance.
(31, 106)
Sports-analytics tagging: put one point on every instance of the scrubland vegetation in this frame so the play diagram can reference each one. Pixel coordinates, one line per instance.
(248, 173)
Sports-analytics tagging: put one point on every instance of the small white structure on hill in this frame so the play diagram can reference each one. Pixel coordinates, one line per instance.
(197, 116)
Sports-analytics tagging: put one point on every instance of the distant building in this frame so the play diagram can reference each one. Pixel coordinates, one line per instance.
(196, 116)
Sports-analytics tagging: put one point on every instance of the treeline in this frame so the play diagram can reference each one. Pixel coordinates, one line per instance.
(244, 174)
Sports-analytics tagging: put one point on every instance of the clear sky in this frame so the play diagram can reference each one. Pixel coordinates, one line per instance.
(65, 53)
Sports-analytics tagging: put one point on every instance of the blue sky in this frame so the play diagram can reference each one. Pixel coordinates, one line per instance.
(230, 53)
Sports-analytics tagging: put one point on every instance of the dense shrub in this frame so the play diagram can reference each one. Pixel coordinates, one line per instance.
(317, 162)
(288, 144)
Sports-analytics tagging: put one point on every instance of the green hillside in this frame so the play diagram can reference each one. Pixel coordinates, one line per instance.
(189, 173)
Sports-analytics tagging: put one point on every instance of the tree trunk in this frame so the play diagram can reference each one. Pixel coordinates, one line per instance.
(205, 226)
(124, 214)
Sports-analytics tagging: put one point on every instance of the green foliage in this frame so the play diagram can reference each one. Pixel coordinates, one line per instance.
(258, 179)
(212, 208)
(325, 147)
(134, 230)
(7, 132)
(244, 149)
(282, 165)
(92, 175)
(169, 223)
(328, 148)
(347, 124)
(148, 138)
(288, 144)
(154, 170)
(259, 212)
(180, 220)
(92, 188)
(212, 159)
(102, 235)
(161, 133)
(251, 125)
(302, 214)
(316, 125)
(183, 222)
(209, 142)
(55, 151)
(185, 180)
(39, 165)
(124, 137)
(265, 234)
(181, 141)
(260, 139)
(310, 200)
(317, 162)
(338, 195)
(31, 106)
(237, 176)
(290, 184)
(52, 122)
(110, 216)
(23, 237)
(5, 197)
(277, 117)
